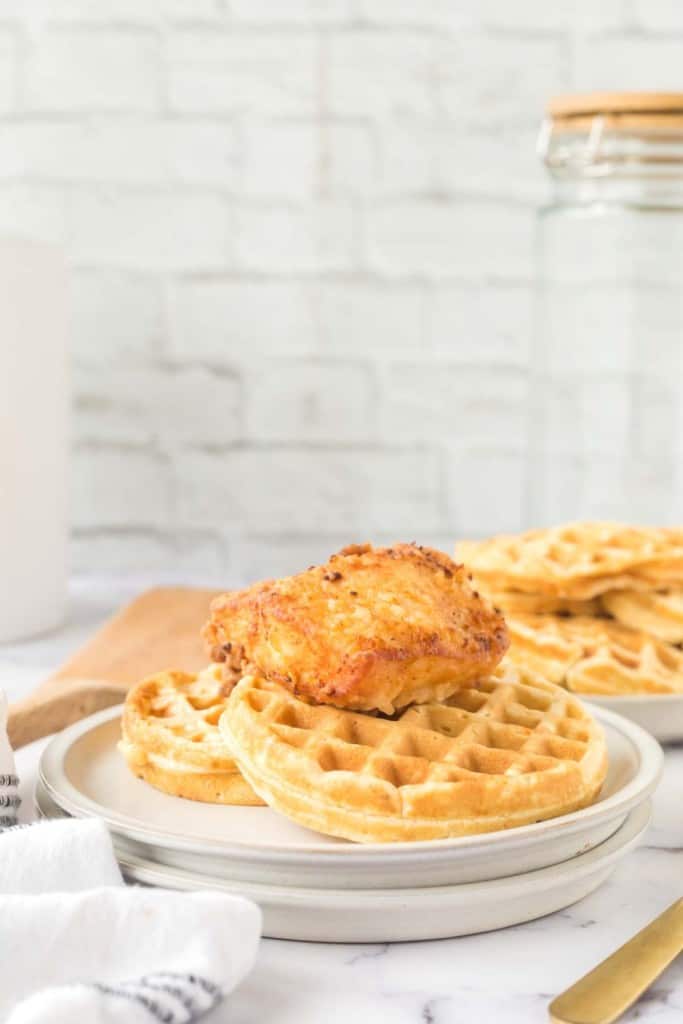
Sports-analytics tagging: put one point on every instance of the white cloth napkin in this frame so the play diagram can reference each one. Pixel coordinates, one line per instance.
(120, 954)
(68, 855)
(78, 945)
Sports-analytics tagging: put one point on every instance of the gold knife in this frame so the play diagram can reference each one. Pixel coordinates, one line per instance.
(604, 993)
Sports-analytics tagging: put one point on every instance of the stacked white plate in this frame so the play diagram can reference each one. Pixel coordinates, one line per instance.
(317, 888)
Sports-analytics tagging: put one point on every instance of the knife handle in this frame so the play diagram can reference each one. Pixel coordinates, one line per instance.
(603, 994)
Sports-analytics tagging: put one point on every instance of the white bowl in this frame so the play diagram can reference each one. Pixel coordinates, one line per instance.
(659, 714)
(84, 774)
(403, 915)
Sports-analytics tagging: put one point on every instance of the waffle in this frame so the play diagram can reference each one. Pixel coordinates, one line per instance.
(595, 656)
(373, 628)
(578, 560)
(658, 612)
(506, 751)
(171, 739)
(516, 602)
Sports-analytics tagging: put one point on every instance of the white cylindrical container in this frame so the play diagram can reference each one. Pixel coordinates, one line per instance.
(606, 408)
(33, 437)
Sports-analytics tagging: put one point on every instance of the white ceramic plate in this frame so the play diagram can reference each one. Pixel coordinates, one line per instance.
(402, 915)
(659, 714)
(84, 774)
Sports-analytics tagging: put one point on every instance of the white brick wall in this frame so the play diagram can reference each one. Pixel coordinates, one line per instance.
(117, 319)
(425, 237)
(658, 15)
(227, 70)
(312, 238)
(74, 70)
(310, 403)
(301, 234)
(141, 407)
(496, 79)
(374, 319)
(468, 406)
(631, 60)
(8, 72)
(486, 325)
(115, 486)
(121, 150)
(142, 230)
(223, 321)
(286, 490)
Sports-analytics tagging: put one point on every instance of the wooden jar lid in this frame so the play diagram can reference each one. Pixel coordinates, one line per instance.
(620, 110)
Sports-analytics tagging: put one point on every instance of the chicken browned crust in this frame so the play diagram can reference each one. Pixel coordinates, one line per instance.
(373, 628)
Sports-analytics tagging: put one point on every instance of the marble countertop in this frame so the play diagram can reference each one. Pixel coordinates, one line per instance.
(506, 977)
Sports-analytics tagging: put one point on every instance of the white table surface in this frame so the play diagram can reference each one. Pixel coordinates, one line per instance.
(506, 977)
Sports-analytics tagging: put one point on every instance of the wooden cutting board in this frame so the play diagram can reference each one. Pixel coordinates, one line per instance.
(158, 630)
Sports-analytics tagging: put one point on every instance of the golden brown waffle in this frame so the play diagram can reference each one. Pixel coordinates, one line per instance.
(577, 560)
(516, 602)
(659, 613)
(595, 656)
(373, 628)
(171, 737)
(508, 750)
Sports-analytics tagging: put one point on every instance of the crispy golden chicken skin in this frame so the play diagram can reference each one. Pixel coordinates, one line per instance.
(373, 628)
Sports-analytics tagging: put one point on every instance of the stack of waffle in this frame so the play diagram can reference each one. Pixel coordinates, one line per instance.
(594, 607)
(365, 699)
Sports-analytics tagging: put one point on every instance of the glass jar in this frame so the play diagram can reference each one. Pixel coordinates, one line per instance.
(605, 411)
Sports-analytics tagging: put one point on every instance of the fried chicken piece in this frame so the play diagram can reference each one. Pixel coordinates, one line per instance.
(373, 628)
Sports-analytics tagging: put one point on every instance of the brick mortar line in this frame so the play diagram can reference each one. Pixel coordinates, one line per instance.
(290, 536)
(162, 77)
(250, 203)
(400, 278)
(387, 29)
(217, 25)
(356, 202)
(245, 374)
(221, 26)
(372, 277)
(250, 447)
(22, 23)
(166, 536)
(139, 531)
(235, 370)
(430, 358)
(81, 115)
(168, 454)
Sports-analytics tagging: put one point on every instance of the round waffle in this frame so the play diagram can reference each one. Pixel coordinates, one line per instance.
(577, 560)
(516, 602)
(595, 656)
(508, 750)
(658, 612)
(171, 737)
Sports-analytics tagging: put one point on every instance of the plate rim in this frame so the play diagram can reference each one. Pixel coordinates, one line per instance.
(69, 797)
(652, 699)
(621, 841)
